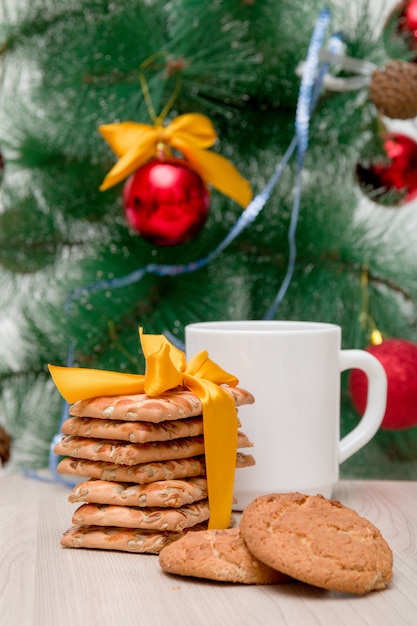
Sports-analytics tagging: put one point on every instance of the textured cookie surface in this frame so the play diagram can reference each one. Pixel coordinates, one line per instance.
(162, 493)
(144, 472)
(318, 541)
(151, 518)
(114, 538)
(172, 405)
(124, 453)
(217, 555)
(135, 432)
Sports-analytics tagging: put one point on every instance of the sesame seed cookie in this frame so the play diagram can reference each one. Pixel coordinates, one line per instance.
(121, 539)
(151, 518)
(162, 493)
(171, 405)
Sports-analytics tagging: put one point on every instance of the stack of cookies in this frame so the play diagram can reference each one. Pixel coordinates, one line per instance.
(143, 467)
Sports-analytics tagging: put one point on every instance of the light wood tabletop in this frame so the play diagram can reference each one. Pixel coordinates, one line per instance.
(44, 584)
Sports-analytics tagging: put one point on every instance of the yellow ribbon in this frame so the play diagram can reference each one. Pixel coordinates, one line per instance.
(166, 368)
(191, 134)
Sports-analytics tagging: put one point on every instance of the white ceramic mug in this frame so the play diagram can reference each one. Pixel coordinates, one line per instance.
(293, 370)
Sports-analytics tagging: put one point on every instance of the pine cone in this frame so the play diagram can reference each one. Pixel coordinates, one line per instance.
(5, 441)
(393, 90)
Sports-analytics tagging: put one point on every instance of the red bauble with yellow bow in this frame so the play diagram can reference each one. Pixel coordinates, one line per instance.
(166, 199)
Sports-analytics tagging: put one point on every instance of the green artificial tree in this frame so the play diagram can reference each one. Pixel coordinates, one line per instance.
(69, 67)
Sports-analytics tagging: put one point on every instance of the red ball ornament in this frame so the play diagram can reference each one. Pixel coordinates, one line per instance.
(166, 202)
(398, 173)
(399, 359)
(407, 22)
(401, 25)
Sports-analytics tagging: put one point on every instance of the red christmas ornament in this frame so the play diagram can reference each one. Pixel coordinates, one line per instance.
(399, 358)
(166, 202)
(399, 173)
(407, 22)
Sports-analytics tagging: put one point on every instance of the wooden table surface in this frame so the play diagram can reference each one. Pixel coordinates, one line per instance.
(43, 584)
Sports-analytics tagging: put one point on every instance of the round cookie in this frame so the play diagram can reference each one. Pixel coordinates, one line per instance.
(219, 555)
(318, 541)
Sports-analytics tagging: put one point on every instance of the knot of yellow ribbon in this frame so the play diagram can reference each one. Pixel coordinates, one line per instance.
(166, 369)
(191, 134)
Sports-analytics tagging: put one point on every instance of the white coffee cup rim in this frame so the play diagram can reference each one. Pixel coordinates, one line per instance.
(261, 326)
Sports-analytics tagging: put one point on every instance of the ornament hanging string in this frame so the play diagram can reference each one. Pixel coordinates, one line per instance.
(366, 320)
(310, 89)
(157, 119)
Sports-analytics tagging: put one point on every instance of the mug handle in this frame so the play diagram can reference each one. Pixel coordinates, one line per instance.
(376, 402)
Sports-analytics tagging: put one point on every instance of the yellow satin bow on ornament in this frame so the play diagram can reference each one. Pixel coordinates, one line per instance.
(191, 134)
(166, 368)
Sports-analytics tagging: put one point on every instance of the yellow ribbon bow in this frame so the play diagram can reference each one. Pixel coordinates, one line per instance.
(166, 368)
(191, 134)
